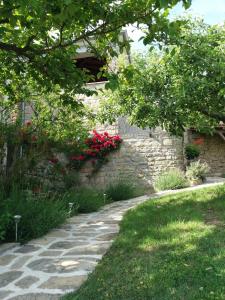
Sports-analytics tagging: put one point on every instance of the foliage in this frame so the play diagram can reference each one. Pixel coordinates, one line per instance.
(33, 157)
(38, 214)
(98, 148)
(5, 219)
(197, 170)
(181, 86)
(87, 199)
(170, 180)
(39, 41)
(120, 190)
(192, 151)
(175, 246)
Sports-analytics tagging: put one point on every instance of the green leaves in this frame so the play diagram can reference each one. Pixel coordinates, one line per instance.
(180, 86)
(39, 41)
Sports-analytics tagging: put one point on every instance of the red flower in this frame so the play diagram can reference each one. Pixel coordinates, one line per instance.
(53, 160)
(79, 157)
(88, 152)
(117, 138)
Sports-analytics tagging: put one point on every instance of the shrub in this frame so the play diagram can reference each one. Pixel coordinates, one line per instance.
(197, 170)
(4, 221)
(192, 151)
(38, 215)
(87, 199)
(170, 180)
(120, 191)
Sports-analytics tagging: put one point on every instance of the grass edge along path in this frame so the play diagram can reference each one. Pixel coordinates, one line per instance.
(172, 247)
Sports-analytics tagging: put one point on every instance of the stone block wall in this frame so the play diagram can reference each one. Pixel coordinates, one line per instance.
(139, 160)
(143, 155)
(212, 151)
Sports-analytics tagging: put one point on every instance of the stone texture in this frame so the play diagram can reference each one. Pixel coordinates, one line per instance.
(90, 250)
(41, 296)
(106, 237)
(26, 282)
(7, 246)
(5, 260)
(8, 277)
(212, 151)
(58, 233)
(4, 294)
(64, 283)
(66, 245)
(140, 158)
(63, 265)
(27, 249)
(51, 253)
(20, 262)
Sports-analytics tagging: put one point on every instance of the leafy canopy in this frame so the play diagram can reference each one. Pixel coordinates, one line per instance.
(181, 86)
(39, 40)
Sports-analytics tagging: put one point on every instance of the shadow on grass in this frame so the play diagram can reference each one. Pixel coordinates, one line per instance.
(167, 249)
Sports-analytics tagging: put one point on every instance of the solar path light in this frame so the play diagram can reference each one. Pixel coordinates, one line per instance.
(17, 220)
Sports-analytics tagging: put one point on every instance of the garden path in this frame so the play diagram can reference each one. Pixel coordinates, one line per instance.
(47, 268)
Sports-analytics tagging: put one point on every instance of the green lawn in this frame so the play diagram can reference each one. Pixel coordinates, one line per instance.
(168, 248)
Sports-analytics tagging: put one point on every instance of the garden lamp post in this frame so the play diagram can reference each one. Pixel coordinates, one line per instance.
(70, 207)
(17, 220)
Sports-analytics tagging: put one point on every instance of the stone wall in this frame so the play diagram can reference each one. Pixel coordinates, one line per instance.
(140, 160)
(212, 151)
(143, 155)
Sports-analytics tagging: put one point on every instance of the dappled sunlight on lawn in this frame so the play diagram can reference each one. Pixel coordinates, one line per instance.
(168, 248)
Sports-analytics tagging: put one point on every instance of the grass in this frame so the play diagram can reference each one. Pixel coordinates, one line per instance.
(120, 190)
(170, 180)
(170, 248)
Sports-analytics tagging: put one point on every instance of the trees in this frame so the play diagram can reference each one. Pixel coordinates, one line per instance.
(179, 87)
(38, 40)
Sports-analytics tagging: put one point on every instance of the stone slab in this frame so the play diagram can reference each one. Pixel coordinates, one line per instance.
(26, 282)
(8, 277)
(64, 283)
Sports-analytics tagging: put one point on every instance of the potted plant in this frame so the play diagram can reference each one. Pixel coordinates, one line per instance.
(196, 172)
(192, 152)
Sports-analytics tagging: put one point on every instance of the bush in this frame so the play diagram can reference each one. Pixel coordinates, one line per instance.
(87, 199)
(192, 151)
(120, 191)
(38, 215)
(197, 170)
(170, 180)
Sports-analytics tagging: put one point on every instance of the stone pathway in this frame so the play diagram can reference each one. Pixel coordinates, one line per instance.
(60, 262)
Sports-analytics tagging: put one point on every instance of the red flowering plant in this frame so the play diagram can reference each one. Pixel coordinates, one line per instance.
(99, 145)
